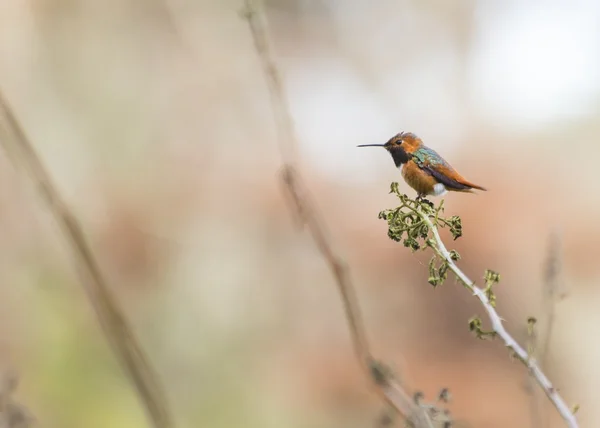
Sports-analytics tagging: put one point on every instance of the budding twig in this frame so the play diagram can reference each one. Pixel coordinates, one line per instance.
(498, 327)
(413, 221)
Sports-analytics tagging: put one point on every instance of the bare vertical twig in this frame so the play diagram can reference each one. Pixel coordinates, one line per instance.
(110, 316)
(388, 387)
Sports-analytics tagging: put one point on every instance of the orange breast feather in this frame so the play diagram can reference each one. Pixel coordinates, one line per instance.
(418, 179)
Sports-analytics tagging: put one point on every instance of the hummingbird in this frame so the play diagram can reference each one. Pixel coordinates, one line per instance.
(423, 168)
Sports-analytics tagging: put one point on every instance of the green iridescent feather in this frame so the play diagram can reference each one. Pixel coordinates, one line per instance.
(425, 155)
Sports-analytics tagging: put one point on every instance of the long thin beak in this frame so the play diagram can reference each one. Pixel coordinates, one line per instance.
(371, 145)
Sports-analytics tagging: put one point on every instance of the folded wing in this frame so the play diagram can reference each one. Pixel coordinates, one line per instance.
(431, 162)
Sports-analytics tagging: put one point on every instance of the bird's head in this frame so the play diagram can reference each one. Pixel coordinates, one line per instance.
(400, 146)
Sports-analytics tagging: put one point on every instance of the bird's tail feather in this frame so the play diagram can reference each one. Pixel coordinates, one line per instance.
(474, 186)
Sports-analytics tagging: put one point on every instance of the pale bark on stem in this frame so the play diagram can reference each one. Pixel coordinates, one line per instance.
(534, 368)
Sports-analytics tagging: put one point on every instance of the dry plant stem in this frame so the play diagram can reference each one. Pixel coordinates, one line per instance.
(340, 271)
(551, 293)
(306, 213)
(390, 390)
(283, 118)
(497, 326)
(110, 316)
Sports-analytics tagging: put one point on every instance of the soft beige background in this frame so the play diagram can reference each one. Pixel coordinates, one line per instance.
(154, 118)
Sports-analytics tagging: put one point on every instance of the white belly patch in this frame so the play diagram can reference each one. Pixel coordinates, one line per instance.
(439, 189)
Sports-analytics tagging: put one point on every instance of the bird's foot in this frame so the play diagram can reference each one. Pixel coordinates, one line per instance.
(421, 198)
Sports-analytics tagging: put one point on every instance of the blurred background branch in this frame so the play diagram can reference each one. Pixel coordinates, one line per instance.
(12, 413)
(552, 293)
(390, 389)
(539, 343)
(110, 316)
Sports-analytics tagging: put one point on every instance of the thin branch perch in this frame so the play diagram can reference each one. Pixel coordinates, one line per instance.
(498, 327)
(415, 219)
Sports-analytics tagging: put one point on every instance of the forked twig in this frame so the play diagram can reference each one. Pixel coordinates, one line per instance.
(110, 316)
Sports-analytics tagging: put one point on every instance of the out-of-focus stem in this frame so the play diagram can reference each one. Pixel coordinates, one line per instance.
(110, 316)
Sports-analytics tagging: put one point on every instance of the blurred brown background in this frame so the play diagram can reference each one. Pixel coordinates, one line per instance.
(155, 121)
